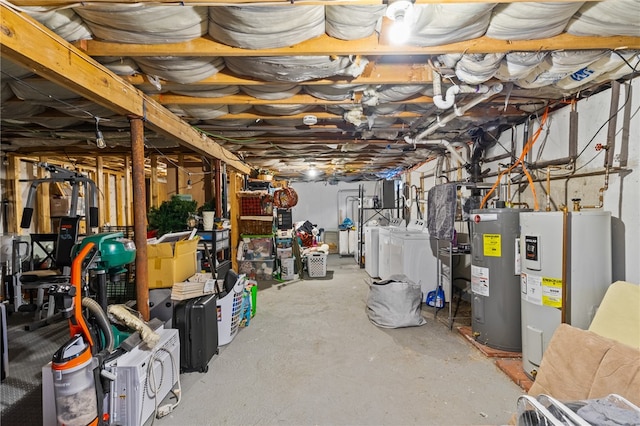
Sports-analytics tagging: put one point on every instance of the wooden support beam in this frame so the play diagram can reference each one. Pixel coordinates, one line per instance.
(375, 73)
(43, 201)
(30, 44)
(153, 182)
(325, 45)
(301, 99)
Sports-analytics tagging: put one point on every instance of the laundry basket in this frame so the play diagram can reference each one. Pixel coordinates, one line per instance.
(317, 265)
(229, 308)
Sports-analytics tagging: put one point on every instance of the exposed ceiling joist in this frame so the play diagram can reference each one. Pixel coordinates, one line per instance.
(28, 43)
(329, 46)
(259, 2)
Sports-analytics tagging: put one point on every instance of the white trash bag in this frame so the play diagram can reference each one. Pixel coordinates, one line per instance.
(395, 303)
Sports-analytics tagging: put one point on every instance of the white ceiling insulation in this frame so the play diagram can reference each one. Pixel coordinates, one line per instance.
(247, 75)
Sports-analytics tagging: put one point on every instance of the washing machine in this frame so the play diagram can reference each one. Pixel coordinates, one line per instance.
(384, 235)
(413, 253)
(371, 239)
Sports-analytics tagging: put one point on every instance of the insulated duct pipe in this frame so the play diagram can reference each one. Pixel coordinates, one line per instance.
(458, 112)
(450, 95)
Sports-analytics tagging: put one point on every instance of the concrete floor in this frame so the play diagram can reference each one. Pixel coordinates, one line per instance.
(311, 357)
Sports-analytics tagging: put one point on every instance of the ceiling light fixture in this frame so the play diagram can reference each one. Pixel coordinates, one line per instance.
(100, 143)
(401, 13)
(312, 172)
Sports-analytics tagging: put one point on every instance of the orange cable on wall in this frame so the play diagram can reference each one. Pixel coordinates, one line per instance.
(520, 159)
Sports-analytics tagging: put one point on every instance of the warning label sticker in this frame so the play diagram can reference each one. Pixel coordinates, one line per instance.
(552, 292)
(480, 280)
(492, 245)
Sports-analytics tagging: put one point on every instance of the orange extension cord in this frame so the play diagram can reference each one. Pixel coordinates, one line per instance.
(525, 150)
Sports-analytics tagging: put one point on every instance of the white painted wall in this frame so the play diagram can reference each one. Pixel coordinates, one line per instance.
(328, 205)
(622, 198)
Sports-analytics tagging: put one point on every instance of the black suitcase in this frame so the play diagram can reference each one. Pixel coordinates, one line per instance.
(197, 323)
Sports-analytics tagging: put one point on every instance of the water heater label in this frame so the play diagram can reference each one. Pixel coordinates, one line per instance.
(492, 245)
(480, 280)
(552, 292)
(534, 289)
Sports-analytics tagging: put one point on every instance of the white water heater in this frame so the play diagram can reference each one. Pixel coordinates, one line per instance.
(544, 295)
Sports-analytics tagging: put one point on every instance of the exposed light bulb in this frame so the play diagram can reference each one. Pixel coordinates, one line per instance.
(189, 184)
(400, 31)
(312, 172)
(100, 143)
(401, 13)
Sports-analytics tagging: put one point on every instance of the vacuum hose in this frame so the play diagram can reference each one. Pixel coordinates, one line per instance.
(102, 320)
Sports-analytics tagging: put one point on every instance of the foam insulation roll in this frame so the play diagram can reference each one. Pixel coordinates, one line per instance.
(348, 22)
(592, 71)
(517, 65)
(231, 123)
(239, 108)
(386, 109)
(558, 65)
(606, 18)
(41, 90)
(334, 92)
(11, 70)
(203, 91)
(379, 134)
(530, 20)
(64, 22)
(437, 24)
(394, 93)
(56, 122)
(81, 108)
(264, 27)
(295, 68)
(181, 69)
(621, 71)
(5, 92)
(20, 110)
(144, 23)
(272, 91)
(119, 65)
(281, 109)
(208, 112)
(476, 68)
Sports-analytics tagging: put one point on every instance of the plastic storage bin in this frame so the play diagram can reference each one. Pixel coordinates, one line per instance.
(317, 265)
(257, 269)
(287, 268)
(229, 308)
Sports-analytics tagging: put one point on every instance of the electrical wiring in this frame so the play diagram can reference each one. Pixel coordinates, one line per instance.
(520, 159)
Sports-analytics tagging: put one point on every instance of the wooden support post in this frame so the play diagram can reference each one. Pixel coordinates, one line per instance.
(235, 185)
(217, 181)
(181, 179)
(13, 191)
(128, 184)
(153, 182)
(140, 216)
(43, 202)
(208, 182)
(103, 192)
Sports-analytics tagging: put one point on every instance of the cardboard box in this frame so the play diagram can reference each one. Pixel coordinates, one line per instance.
(61, 206)
(169, 263)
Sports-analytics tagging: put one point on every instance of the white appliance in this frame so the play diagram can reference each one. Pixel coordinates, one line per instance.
(130, 401)
(412, 252)
(134, 394)
(384, 238)
(371, 243)
(588, 275)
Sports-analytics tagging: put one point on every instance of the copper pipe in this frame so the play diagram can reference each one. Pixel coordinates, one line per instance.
(526, 205)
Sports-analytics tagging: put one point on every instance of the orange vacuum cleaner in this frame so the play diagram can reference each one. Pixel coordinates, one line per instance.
(78, 377)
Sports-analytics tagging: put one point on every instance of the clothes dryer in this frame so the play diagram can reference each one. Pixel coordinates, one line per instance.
(371, 243)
